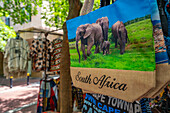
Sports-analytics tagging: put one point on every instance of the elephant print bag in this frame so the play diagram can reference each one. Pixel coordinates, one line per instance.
(112, 50)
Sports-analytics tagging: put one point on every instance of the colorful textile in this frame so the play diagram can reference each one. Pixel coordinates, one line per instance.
(56, 56)
(163, 17)
(15, 75)
(51, 96)
(162, 102)
(16, 54)
(40, 100)
(167, 43)
(167, 38)
(78, 95)
(38, 53)
(167, 11)
(98, 103)
(145, 105)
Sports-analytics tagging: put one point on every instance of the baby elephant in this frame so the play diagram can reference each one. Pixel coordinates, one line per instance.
(105, 47)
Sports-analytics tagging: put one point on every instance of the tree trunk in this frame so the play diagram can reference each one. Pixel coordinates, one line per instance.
(65, 78)
(87, 7)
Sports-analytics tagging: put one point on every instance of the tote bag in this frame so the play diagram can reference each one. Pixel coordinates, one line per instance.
(97, 103)
(112, 50)
(162, 66)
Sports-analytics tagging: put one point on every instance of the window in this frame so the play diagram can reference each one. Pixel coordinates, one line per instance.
(7, 21)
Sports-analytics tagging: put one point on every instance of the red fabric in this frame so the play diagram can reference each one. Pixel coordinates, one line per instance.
(84, 95)
(51, 100)
(38, 101)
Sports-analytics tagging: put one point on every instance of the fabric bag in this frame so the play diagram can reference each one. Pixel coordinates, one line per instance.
(112, 50)
(160, 33)
(97, 103)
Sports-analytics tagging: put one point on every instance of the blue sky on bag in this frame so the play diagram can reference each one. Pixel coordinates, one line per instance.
(154, 12)
(122, 10)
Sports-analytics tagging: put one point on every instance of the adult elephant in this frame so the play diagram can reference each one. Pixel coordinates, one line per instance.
(119, 32)
(104, 23)
(89, 34)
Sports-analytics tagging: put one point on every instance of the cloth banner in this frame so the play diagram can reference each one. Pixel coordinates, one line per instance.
(112, 50)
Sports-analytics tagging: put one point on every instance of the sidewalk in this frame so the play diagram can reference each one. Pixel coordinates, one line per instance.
(21, 98)
(16, 82)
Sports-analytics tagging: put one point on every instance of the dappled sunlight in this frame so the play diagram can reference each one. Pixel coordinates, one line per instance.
(16, 97)
(10, 104)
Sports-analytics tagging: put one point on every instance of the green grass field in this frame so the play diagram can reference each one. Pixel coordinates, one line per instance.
(139, 53)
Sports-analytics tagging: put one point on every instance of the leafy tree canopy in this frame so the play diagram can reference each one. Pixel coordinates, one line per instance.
(59, 9)
(55, 13)
(19, 10)
(5, 33)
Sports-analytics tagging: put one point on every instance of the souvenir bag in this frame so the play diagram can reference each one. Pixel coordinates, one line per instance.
(112, 50)
(162, 41)
(98, 103)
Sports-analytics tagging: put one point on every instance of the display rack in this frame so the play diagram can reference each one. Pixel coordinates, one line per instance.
(46, 33)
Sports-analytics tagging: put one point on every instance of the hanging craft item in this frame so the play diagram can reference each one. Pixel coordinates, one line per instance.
(160, 33)
(145, 105)
(167, 37)
(56, 56)
(38, 53)
(162, 102)
(112, 50)
(16, 57)
(97, 103)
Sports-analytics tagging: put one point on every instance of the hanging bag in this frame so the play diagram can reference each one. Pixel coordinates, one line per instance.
(112, 50)
(162, 66)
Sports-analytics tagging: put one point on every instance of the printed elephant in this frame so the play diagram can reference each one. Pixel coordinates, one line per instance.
(105, 47)
(119, 32)
(90, 34)
(104, 23)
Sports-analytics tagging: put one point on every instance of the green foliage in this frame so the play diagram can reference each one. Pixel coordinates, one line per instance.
(141, 55)
(96, 4)
(55, 13)
(136, 31)
(5, 33)
(58, 12)
(20, 11)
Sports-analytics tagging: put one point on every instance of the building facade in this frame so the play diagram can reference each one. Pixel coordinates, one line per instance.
(34, 22)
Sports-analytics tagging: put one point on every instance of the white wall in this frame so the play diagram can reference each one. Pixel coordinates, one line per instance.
(35, 22)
